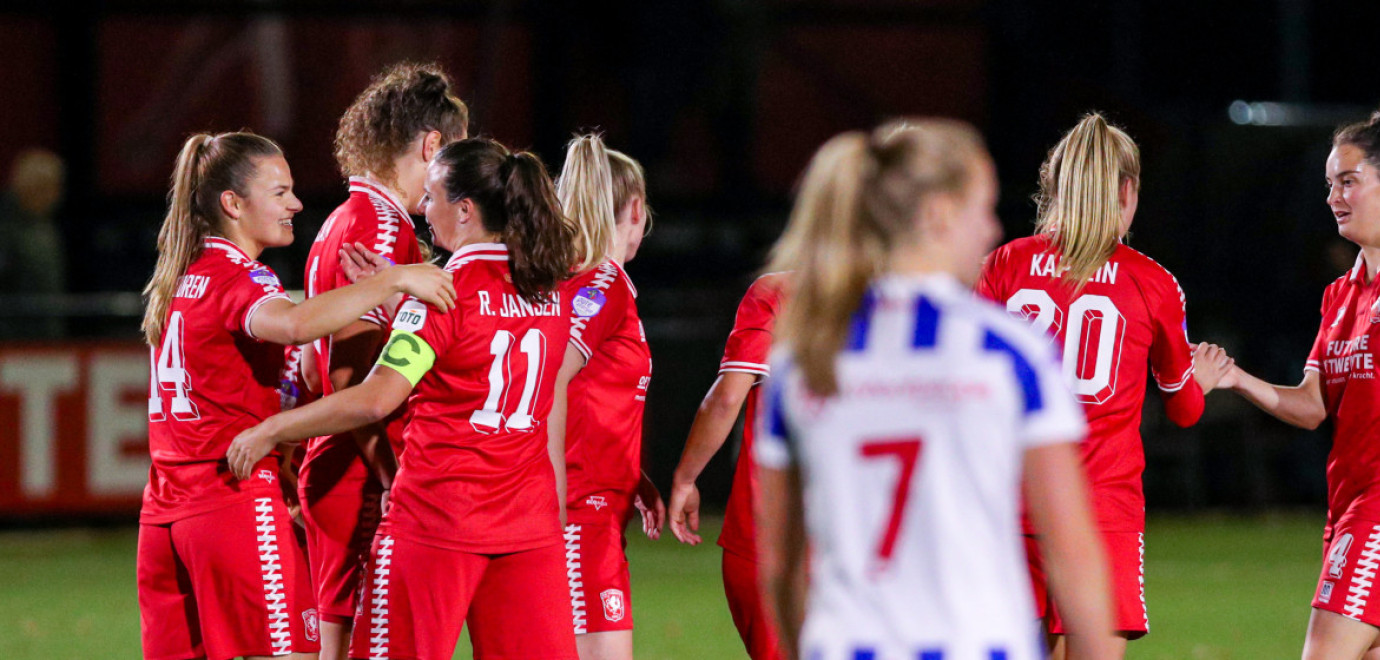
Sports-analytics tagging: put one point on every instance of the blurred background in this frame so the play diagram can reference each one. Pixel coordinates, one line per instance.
(1232, 101)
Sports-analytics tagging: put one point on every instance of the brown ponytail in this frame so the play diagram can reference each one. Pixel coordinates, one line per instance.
(859, 195)
(517, 201)
(1364, 135)
(207, 166)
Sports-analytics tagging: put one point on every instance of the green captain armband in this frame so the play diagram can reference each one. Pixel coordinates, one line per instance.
(408, 355)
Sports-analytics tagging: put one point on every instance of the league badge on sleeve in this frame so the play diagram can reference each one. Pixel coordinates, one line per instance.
(264, 276)
(588, 301)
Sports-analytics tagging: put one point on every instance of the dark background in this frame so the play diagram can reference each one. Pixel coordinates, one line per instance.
(724, 101)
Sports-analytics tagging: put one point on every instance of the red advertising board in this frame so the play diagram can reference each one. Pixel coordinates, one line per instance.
(74, 424)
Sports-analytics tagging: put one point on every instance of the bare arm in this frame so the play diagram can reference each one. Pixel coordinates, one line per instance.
(283, 322)
(378, 396)
(713, 422)
(781, 553)
(571, 365)
(1301, 405)
(1057, 496)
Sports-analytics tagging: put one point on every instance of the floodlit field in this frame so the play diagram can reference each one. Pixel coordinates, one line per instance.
(1218, 588)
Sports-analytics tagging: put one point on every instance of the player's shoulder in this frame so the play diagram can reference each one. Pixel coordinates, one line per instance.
(1144, 267)
(768, 288)
(479, 262)
(1026, 245)
(995, 325)
(222, 257)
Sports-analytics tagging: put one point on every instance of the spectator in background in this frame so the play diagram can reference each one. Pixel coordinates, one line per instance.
(31, 250)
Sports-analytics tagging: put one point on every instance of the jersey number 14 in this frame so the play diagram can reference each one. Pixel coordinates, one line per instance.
(168, 374)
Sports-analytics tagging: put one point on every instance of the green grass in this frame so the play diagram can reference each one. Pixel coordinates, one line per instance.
(1218, 588)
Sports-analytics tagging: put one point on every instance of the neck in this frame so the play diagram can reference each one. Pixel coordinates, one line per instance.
(392, 187)
(249, 246)
(1370, 256)
(919, 260)
(481, 238)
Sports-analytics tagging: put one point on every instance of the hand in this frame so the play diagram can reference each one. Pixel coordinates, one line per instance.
(425, 282)
(648, 502)
(248, 448)
(358, 262)
(1230, 378)
(685, 512)
(1210, 364)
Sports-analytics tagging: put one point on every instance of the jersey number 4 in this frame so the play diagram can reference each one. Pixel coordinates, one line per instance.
(168, 373)
(906, 453)
(491, 416)
(1092, 341)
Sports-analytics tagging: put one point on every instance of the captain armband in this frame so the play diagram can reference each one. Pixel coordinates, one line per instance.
(408, 355)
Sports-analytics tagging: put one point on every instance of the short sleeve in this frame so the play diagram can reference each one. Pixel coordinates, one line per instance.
(1315, 356)
(597, 308)
(749, 343)
(1048, 412)
(1171, 357)
(251, 285)
(773, 446)
(429, 324)
(989, 280)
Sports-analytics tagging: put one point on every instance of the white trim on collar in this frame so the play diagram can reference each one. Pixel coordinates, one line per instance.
(373, 188)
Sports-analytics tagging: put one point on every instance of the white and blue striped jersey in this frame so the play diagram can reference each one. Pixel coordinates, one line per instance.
(912, 473)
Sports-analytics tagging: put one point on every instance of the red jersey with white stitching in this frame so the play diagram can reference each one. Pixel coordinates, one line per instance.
(1343, 356)
(210, 380)
(603, 440)
(476, 476)
(746, 350)
(375, 218)
(1130, 315)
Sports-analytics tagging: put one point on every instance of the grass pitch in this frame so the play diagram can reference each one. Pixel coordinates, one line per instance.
(1218, 588)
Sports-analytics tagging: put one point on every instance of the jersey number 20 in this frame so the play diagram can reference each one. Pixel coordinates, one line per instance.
(168, 373)
(490, 417)
(1092, 341)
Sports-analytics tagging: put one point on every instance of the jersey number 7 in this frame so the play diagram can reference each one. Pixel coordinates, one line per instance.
(906, 452)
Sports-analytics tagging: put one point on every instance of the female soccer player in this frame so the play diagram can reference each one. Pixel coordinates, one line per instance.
(601, 391)
(385, 141)
(902, 414)
(218, 570)
(743, 367)
(473, 530)
(1340, 385)
(1113, 311)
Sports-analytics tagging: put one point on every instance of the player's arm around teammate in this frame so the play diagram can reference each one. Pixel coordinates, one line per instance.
(888, 230)
(596, 420)
(384, 142)
(218, 573)
(1340, 385)
(472, 535)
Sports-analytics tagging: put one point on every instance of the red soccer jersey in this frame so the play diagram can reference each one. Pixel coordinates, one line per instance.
(476, 476)
(603, 440)
(374, 217)
(1342, 353)
(210, 379)
(1129, 315)
(746, 351)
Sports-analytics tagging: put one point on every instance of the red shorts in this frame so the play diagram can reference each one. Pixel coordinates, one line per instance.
(596, 569)
(749, 613)
(1126, 560)
(341, 521)
(417, 597)
(1350, 561)
(226, 583)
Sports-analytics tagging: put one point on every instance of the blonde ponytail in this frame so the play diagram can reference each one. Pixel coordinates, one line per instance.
(1080, 195)
(207, 166)
(585, 189)
(859, 196)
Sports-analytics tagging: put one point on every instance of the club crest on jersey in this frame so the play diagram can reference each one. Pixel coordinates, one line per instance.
(588, 301)
(267, 475)
(613, 604)
(263, 276)
(411, 317)
(597, 501)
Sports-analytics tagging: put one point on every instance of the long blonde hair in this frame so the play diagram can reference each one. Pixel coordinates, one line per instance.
(1080, 194)
(207, 166)
(585, 189)
(860, 195)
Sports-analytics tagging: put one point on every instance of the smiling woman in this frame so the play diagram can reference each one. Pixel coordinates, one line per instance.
(218, 567)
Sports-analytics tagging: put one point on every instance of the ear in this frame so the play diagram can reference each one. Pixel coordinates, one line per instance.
(637, 211)
(431, 143)
(938, 214)
(231, 204)
(465, 210)
(1124, 191)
